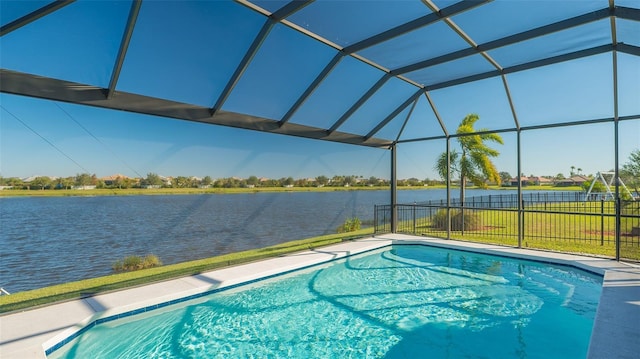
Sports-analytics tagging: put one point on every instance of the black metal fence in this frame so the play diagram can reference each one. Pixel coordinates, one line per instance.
(562, 221)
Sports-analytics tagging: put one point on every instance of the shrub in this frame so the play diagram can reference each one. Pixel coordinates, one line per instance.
(350, 225)
(471, 220)
(131, 263)
(150, 261)
(439, 220)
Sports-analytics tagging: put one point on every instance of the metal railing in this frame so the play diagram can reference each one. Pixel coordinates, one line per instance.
(561, 221)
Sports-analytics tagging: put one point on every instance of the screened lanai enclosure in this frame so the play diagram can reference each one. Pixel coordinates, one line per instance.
(557, 80)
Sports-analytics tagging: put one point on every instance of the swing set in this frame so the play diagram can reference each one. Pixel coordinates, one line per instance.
(609, 195)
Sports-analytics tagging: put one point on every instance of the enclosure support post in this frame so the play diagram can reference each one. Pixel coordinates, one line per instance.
(394, 189)
(448, 187)
(616, 174)
(618, 201)
(520, 200)
(602, 222)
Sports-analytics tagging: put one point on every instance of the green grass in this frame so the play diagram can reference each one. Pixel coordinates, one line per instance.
(579, 233)
(88, 287)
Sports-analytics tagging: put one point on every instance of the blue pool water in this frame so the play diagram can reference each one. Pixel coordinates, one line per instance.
(397, 302)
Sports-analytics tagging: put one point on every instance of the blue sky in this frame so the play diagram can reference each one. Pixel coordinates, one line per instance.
(135, 144)
(172, 57)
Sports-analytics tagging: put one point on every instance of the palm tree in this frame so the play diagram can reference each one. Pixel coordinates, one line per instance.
(474, 162)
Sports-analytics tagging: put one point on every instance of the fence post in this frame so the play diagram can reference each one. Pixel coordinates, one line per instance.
(602, 221)
(618, 226)
(375, 218)
(521, 227)
(384, 220)
(414, 218)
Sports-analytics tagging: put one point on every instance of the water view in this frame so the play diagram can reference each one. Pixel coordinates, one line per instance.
(52, 240)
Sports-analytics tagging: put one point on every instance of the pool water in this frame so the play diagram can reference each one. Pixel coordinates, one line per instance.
(398, 302)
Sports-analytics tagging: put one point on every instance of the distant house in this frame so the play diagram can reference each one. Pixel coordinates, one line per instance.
(166, 181)
(523, 179)
(531, 181)
(572, 181)
(30, 179)
(111, 180)
(541, 181)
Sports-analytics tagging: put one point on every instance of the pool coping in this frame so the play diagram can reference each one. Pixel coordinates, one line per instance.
(31, 333)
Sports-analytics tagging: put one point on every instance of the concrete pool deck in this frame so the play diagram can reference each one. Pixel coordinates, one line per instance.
(28, 334)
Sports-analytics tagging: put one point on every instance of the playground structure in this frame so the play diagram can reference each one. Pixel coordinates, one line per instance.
(609, 194)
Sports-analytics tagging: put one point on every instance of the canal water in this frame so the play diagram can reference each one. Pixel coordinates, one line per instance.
(51, 240)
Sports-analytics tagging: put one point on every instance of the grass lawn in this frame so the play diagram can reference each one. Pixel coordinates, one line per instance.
(580, 229)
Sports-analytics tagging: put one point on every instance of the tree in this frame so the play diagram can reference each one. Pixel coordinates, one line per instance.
(322, 180)
(474, 162)
(253, 181)
(117, 182)
(182, 182)
(349, 180)
(598, 187)
(11, 181)
(301, 182)
(42, 182)
(122, 182)
(572, 172)
(337, 180)
(153, 180)
(206, 181)
(631, 171)
(505, 176)
(229, 182)
(65, 183)
(270, 183)
(83, 179)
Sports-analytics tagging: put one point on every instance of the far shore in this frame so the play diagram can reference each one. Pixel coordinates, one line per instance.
(192, 191)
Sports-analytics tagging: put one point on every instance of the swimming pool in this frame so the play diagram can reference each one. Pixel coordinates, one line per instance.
(397, 302)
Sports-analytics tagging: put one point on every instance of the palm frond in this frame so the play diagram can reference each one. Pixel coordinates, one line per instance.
(494, 137)
(475, 163)
(441, 164)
